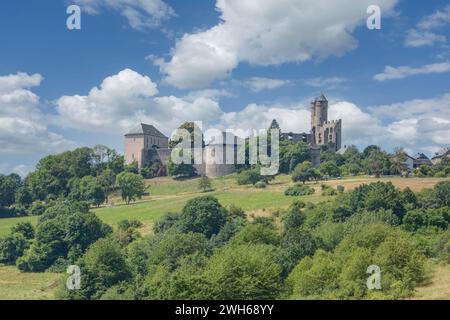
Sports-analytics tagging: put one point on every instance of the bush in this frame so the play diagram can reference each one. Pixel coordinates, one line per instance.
(37, 208)
(249, 177)
(340, 188)
(26, 229)
(103, 266)
(203, 215)
(299, 190)
(247, 272)
(327, 190)
(12, 247)
(260, 185)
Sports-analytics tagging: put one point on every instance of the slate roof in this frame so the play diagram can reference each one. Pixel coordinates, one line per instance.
(146, 129)
(321, 98)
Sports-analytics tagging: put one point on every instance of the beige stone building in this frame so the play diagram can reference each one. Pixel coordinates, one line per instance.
(144, 143)
(324, 132)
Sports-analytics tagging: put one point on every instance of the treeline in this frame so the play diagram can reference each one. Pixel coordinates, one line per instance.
(208, 251)
(85, 175)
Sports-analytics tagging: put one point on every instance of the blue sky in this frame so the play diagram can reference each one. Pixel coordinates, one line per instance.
(231, 64)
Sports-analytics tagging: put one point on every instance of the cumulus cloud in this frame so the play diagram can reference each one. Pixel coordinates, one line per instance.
(22, 124)
(328, 82)
(127, 98)
(391, 73)
(140, 14)
(422, 35)
(257, 84)
(266, 32)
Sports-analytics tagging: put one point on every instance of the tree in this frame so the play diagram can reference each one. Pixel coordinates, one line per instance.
(442, 192)
(242, 272)
(131, 185)
(8, 188)
(291, 154)
(12, 247)
(92, 191)
(103, 266)
(181, 170)
(107, 180)
(203, 215)
(204, 184)
(398, 161)
(377, 163)
(329, 168)
(302, 172)
(26, 229)
(23, 196)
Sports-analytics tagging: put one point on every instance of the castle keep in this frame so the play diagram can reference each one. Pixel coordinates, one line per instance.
(324, 132)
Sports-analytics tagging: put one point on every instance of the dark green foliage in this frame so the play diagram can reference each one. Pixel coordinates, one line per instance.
(170, 247)
(291, 154)
(103, 266)
(203, 215)
(26, 229)
(294, 217)
(168, 221)
(295, 245)
(251, 176)
(9, 185)
(65, 235)
(12, 247)
(422, 218)
(299, 190)
(257, 234)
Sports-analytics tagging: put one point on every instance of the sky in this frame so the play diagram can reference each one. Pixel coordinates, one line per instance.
(232, 64)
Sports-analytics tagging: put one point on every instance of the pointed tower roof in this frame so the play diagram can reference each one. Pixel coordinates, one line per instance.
(146, 129)
(321, 97)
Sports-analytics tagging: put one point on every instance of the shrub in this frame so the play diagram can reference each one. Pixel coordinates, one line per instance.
(12, 247)
(26, 229)
(247, 272)
(251, 176)
(260, 185)
(203, 215)
(340, 188)
(299, 190)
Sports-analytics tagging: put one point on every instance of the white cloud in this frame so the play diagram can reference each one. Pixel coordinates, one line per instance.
(127, 98)
(266, 32)
(257, 84)
(422, 35)
(329, 83)
(406, 71)
(20, 80)
(417, 38)
(140, 14)
(23, 128)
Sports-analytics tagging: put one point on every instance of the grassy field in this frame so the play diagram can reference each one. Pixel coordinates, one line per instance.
(167, 195)
(15, 285)
(438, 287)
